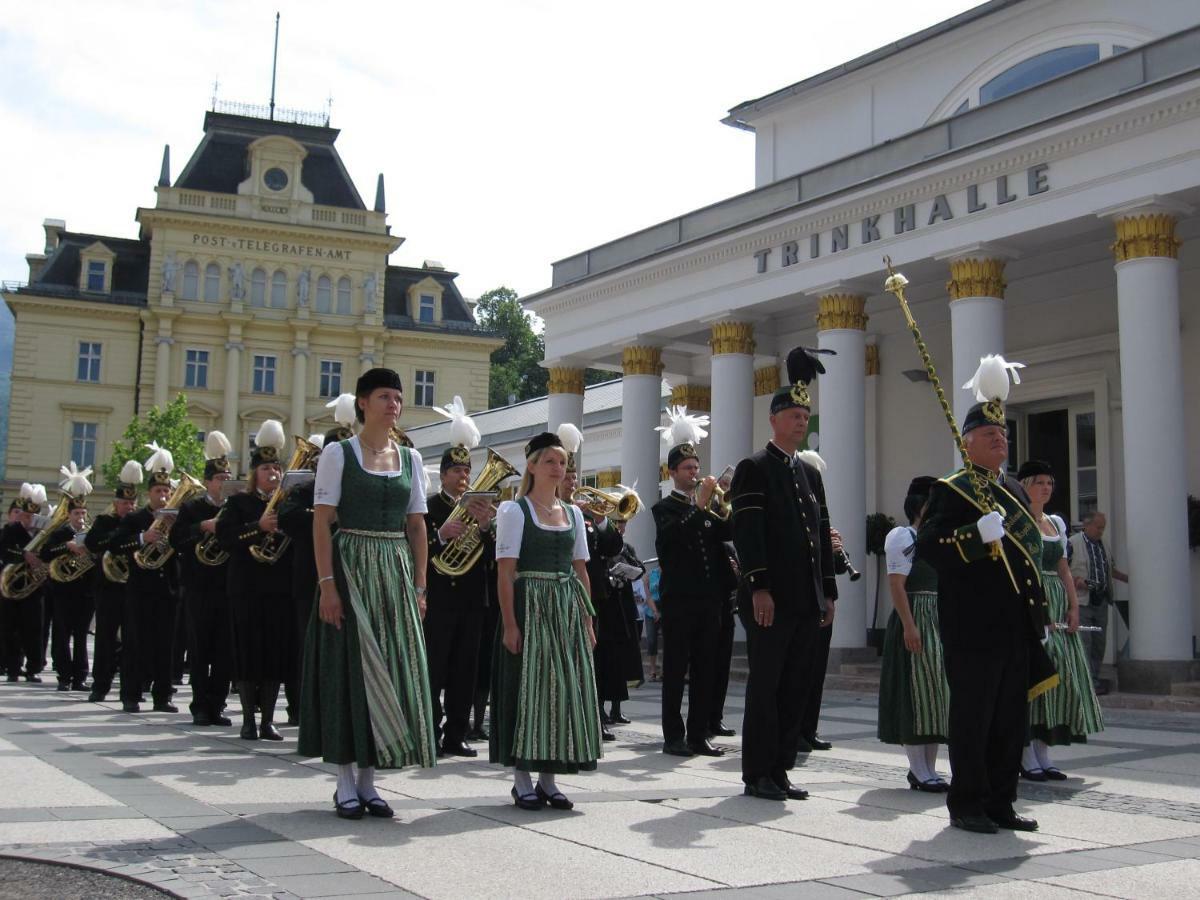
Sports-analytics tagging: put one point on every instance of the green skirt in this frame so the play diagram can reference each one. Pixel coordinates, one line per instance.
(365, 693)
(545, 716)
(914, 697)
(1070, 712)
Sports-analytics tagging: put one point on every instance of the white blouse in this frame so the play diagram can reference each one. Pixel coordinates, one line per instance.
(328, 488)
(510, 526)
(896, 550)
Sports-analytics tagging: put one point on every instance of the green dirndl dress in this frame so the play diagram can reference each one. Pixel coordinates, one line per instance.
(1069, 712)
(545, 715)
(365, 693)
(914, 696)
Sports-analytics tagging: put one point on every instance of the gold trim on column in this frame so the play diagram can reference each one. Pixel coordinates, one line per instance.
(696, 397)
(872, 359)
(842, 311)
(607, 478)
(1142, 236)
(976, 278)
(732, 337)
(564, 380)
(663, 472)
(641, 361)
(766, 381)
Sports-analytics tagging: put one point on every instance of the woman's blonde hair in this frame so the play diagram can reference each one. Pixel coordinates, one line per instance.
(527, 479)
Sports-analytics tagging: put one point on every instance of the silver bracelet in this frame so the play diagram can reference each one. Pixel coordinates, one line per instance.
(326, 578)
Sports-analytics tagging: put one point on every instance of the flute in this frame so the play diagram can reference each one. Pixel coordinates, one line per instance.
(1063, 626)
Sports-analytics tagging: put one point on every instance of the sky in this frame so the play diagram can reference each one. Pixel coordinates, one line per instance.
(511, 133)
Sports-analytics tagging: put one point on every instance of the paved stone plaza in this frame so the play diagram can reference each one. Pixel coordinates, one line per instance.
(200, 813)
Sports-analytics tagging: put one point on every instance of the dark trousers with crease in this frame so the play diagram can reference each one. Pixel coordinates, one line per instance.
(147, 636)
(68, 641)
(452, 635)
(723, 660)
(210, 647)
(816, 683)
(21, 633)
(110, 606)
(689, 627)
(776, 689)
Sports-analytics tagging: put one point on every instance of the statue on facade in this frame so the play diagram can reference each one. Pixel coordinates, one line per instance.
(170, 269)
(370, 287)
(237, 281)
(302, 287)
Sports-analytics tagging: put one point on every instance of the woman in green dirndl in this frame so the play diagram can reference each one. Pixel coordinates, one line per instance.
(914, 698)
(545, 717)
(365, 697)
(1069, 712)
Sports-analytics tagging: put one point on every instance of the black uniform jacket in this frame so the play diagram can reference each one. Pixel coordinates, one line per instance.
(690, 542)
(296, 521)
(602, 543)
(127, 542)
(98, 540)
(13, 539)
(186, 535)
(781, 530)
(237, 532)
(471, 588)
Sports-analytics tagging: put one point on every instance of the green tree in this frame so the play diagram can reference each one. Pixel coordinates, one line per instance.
(170, 428)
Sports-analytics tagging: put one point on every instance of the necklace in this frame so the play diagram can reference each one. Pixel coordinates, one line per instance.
(374, 450)
(549, 510)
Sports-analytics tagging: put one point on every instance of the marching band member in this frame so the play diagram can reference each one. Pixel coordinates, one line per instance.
(259, 591)
(110, 594)
(72, 600)
(21, 620)
(205, 601)
(365, 697)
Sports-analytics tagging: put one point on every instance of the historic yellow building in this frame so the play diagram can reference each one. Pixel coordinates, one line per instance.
(258, 285)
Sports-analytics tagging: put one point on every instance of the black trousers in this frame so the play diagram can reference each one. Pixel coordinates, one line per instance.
(776, 689)
(452, 635)
(483, 671)
(210, 647)
(988, 714)
(110, 610)
(181, 654)
(21, 627)
(148, 632)
(304, 601)
(73, 609)
(723, 660)
(816, 682)
(690, 626)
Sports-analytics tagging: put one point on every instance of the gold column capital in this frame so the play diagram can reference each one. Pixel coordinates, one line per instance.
(566, 380)
(1147, 235)
(608, 478)
(641, 361)
(842, 311)
(872, 359)
(696, 397)
(732, 337)
(766, 380)
(976, 278)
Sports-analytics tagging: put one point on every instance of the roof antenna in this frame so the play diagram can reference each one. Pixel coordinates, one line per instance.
(328, 108)
(216, 87)
(274, 62)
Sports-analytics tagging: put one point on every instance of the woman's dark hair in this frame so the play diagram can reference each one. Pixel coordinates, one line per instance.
(371, 380)
(914, 506)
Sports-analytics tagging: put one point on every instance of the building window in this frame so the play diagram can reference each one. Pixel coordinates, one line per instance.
(212, 282)
(83, 443)
(95, 275)
(425, 317)
(343, 296)
(258, 288)
(324, 294)
(191, 281)
(1087, 492)
(89, 362)
(200, 436)
(1038, 69)
(195, 369)
(331, 378)
(279, 290)
(423, 390)
(264, 375)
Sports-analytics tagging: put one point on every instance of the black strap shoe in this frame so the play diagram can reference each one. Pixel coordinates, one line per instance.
(932, 786)
(377, 807)
(765, 789)
(530, 802)
(557, 800)
(977, 824)
(351, 809)
(459, 749)
(704, 748)
(1013, 822)
(677, 748)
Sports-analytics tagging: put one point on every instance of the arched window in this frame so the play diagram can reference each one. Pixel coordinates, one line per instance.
(324, 294)
(343, 297)
(191, 281)
(1037, 69)
(212, 282)
(279, 290)
(258, 288)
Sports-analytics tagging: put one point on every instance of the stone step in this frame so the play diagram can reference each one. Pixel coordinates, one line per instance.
(1156, 702)
(867, 669)
(1186, 689)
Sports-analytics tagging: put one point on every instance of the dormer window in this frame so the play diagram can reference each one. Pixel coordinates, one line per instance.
(425, 301)
(96, 268)
(97, 271)
(426, 314)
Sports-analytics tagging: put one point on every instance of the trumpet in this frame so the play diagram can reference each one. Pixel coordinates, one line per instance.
(617, 506)
(154, 555)
(273, 545)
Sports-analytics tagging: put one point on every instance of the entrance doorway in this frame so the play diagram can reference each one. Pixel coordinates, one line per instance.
(1063, 433)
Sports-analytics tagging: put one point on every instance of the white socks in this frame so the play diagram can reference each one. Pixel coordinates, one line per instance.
(1029, 759)
(931, 754)
(916, 761)
(366, 784)
(522, 782)
(1042, 751)
(347, 790)
(546, 780)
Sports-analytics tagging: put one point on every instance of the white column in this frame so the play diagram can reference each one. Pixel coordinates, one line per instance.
(976, 322)
(732, 432)
(841, 324)
(1155, 455)
(565, 402)
(299, 391)
(641, 413)
(233, 386)
(162, 369)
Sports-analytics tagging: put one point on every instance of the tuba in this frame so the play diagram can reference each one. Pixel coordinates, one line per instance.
(20, 580)
(115, 567)
(618, 506)
(68, 567)
(464, 551)
(155, 556)
(272, 546)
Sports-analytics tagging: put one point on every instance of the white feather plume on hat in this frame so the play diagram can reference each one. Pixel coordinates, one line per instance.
(990, 381)
(571, 437)
(75, 480)
(433, 476)
(270, 434)
(463, 430)
(683, 428)
(216, 445)
(318, 439)
(38, 494)
(813, 459)
(131, 472)
(343, 409)
(161, 459)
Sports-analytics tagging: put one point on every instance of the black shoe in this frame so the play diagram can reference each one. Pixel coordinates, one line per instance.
(293, 720)
(14, 678)
(377, 807)
(704, 748)
(438, 752)
(1033, 774)
(78, 686)
(477, 734)
(268, 732)
(1013, 822)
(64, 686)
(932, 786)
(606, 735)
(816, 743)
(1102, 688)
(977, 824)
(351, 809)
(677, 748)
(618, 719)
(459, 749)
(221, 719)
(1055, 774)
(96, 696)
(249, 733)
(526, 801)
(765, 789)
(557, 800)
(793, 792)
(605, 718)
(201, 720)
(132, 707)
(34, 679)
(721, 730)
(803, 746)
(165, 706)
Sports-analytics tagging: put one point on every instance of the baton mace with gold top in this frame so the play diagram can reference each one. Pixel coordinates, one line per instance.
(983, 497)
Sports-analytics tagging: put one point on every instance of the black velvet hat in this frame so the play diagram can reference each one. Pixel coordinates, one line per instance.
(989, 413)
(373, 380)
(337, 433)
(541, 442)
(803, 366)
(679, 453)
(921, 485)
(455, 456)
(1032, 468)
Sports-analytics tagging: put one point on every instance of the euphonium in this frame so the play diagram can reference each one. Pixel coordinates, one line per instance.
(464, 551)
(115, 567)
(155, 555)
(616, 505)
(19, 580)
(273, 545)
(209, 552)
(68, 567)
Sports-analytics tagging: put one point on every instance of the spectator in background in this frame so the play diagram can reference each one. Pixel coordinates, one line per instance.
(1093, 570)
(653, 619)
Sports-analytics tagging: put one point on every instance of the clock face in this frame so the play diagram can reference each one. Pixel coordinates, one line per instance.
(276, 179)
